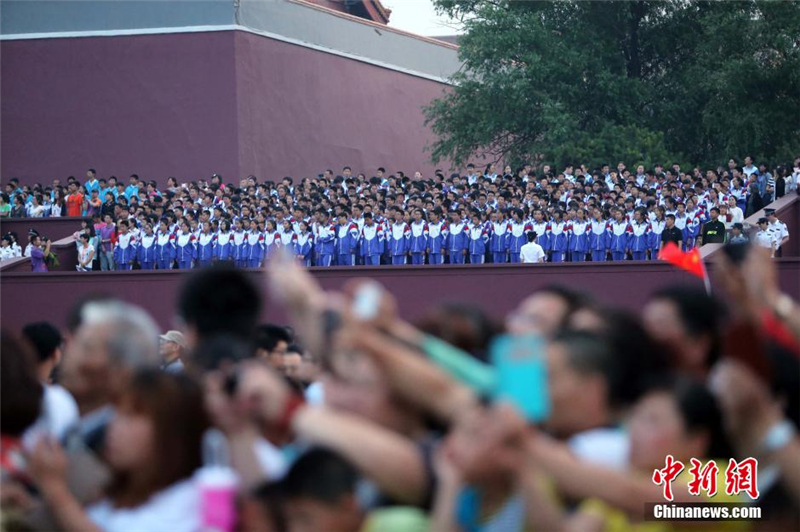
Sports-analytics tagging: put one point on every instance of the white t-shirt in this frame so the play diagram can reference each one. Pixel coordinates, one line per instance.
(608, 447)
(59, 412)
(737, 216)
(531, 253)
(83, 254)
(173, 509)
(271, 459)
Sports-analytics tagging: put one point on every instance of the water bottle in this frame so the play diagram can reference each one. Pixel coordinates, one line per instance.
(218, 483)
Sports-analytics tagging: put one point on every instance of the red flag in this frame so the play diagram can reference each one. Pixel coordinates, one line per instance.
(689, 261)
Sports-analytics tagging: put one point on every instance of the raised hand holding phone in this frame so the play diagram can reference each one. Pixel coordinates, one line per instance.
(522, 375)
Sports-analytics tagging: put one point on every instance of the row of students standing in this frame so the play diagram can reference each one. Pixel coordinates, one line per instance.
(373, 241)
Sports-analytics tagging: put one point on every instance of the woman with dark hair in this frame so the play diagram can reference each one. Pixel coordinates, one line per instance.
(754, 200)
(58, 207)
(21, 396)
(677, 418)
(153, 447)
(18, 210)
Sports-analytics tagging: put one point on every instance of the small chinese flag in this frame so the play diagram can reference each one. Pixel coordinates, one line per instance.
(689, 260)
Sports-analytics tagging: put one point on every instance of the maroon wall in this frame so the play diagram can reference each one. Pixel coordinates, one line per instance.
(301, 111)
(192, 104)
(156, 105)
(26, 296)
(54, 228)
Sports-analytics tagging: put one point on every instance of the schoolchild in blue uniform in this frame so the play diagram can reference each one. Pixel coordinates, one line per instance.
(517, 231)
(125, 249)
(304, 243)
(619, 236)
(324, 239)
(458, 240)
(418, 242)
(558, 240)
(683, 222)
(205, 246)
(656, 228)
(223, 251)
(578, 230)
(399, 237)
(288, 235)
(146, 251)
(598, 237)
(372, 241)
(696, 219)
(640, 238)
(498, 243)
(185, 246)
(272, 240)
(541, 226)
(165, 246)
(478, 239)
(346, 240)
(255, 246)
(240, 244)
(438, 232)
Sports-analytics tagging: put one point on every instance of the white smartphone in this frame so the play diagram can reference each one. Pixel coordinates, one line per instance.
(367, 301)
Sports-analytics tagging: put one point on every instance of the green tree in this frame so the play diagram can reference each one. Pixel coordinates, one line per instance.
(673, 79)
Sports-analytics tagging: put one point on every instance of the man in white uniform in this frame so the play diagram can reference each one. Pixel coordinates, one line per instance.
(531, 253)
(777, 229)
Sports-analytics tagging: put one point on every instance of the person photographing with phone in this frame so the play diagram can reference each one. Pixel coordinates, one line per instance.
(39, 250)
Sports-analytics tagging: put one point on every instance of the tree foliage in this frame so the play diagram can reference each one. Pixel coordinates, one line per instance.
(673, 80)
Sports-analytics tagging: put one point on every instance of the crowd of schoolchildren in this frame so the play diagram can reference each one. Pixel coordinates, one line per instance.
(476, 217)
(564, 416)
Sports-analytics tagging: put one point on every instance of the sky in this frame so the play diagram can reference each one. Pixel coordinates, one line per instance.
(417, 16)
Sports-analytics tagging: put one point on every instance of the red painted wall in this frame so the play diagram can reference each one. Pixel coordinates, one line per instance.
(301, 111)
(26, 297)
(156, 105)
(193, 104)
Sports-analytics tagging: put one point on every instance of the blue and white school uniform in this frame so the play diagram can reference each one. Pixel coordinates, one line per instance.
(125, 251)
(165, 250)
(656, 228)
(346, 244)
(692, 230)
(205, 249)
(255, 248)
(223, 251)
(398, 242)
(418, 243)
(287, 239)
(437, 242)
(598, 239)
(146, 252)
(619, 239)
(478, 238)
(682, 222)
(578, 234)
(558, 240)
(324, 238)
(272, 241)
(640, 239)
(542, 230)
(517, 237)
(498, 243)
(457, 242)
(240, 249)
(185, 249)
(304, 247)
(371, 244)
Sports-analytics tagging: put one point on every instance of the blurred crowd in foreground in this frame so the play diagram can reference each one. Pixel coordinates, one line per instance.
(563, 415)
